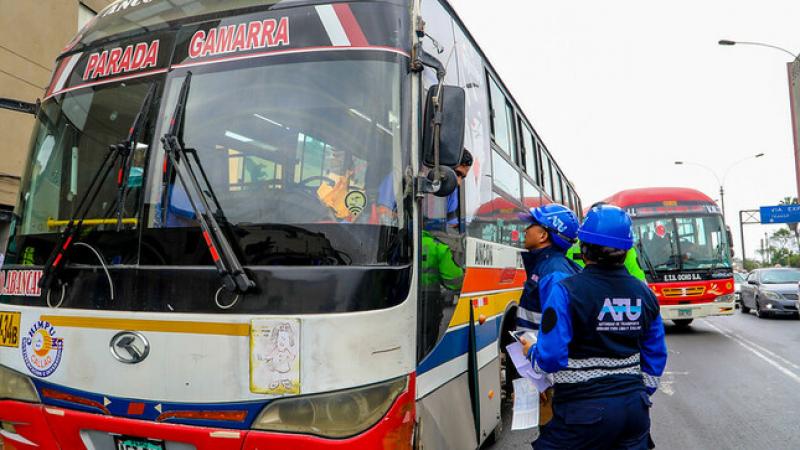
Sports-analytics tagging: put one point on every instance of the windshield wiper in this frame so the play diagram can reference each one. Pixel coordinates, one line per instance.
(68, 236)
(126, 149)
(647, 261)
(229, 268)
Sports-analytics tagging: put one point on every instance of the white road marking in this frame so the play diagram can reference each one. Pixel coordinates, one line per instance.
(667, 382)
(760, 352)
(765, 350)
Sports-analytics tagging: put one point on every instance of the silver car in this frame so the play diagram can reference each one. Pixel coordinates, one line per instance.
(771, 292)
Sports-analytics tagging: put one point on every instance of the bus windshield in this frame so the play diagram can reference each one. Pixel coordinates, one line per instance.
(295, 151)
(299, 143)
(683, 243)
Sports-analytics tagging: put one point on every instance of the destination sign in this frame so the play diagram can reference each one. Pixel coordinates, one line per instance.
(643, 211)
(780, 214)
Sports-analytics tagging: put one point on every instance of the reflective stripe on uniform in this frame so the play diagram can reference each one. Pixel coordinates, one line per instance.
(582, 376)
(651, 381)
(530, 316)
(604, 363)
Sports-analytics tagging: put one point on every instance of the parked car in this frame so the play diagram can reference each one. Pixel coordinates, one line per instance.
(739, 279)
(771, 292)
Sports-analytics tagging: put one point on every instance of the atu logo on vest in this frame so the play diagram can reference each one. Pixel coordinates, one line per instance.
(620, 307)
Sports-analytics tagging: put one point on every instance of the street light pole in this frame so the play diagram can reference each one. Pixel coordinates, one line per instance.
(720, 181)
(793, 69)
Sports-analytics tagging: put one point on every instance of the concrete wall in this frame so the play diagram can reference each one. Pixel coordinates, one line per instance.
(32, 32)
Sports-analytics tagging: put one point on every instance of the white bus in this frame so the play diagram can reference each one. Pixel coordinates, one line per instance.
(243, 225)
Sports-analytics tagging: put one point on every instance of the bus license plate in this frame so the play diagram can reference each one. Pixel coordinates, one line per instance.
(131, 443)
(9, 329)
(684, 313)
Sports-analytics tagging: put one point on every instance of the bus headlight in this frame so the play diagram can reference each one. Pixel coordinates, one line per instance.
(727, 298)
(772, 295)
(15, 386)
(335, 415)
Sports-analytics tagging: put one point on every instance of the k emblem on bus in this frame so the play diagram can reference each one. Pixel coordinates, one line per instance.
(129, 347)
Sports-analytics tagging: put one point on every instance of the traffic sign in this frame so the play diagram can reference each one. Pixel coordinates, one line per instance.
(780, 214)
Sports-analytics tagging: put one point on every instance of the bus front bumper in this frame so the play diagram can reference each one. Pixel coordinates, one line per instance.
(697, 310)
(26, 426)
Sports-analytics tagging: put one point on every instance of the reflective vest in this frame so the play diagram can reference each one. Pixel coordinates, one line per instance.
(438, 267)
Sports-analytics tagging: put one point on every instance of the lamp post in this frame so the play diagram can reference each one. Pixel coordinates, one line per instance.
(793, 69)
(720, 181)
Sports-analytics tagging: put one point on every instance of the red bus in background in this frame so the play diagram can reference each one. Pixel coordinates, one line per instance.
(684, 248)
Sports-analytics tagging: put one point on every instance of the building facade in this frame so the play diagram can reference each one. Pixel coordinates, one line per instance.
(32, 33)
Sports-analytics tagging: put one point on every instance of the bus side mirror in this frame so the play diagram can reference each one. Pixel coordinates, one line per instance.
(452, 103)
(19, 106)
(753, 282)
(445, 112)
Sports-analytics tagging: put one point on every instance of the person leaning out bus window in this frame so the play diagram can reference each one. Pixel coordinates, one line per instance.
(606, 320)
(386, 209)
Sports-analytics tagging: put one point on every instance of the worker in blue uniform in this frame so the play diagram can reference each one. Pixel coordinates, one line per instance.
(551, 231)
(602, 339)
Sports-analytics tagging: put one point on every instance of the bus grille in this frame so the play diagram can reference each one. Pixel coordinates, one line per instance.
(693, 291)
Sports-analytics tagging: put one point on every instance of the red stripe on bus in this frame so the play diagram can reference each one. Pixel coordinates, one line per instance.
(483, 279)
(59, 70)
(64, 397)
(351, 27)
(211, 248)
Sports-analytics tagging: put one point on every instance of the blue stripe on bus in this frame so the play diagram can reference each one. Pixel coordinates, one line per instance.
(118, 407)
(455, 343)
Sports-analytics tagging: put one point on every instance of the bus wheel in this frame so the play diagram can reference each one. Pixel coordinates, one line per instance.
(683, 323)
(745, 309)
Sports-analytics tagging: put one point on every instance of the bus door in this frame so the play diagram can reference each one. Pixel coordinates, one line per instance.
(445, 347)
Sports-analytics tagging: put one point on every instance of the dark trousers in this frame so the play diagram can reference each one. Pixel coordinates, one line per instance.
(621, 422)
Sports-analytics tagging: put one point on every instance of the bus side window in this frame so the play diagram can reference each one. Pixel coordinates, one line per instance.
(547, 178)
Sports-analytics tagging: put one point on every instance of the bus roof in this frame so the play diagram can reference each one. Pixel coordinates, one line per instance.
(653, 195)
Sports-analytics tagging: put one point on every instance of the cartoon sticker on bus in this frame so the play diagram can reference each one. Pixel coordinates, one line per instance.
(274, 357)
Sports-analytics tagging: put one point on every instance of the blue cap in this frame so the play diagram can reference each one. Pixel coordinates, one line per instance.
(607, 226)
(558, 220)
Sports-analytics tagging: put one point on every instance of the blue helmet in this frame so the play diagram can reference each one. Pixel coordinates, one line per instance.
(558, 220)
(607, 226)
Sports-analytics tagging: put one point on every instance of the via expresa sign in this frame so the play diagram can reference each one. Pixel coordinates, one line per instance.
(780, 214)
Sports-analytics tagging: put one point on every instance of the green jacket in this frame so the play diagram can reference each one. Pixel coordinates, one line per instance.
(631, 260)
(438, 267)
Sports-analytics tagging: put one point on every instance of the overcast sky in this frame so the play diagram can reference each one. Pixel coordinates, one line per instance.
(620, 89)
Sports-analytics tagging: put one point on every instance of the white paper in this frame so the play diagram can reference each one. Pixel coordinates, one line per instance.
(525, 368)
(526, 405)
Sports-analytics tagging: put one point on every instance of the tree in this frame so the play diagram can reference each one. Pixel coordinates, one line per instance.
(783, 240)
(751, 264)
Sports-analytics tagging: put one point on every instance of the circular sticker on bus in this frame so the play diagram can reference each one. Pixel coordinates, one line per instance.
(661, 231)
(355, 201)
(41, 349)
